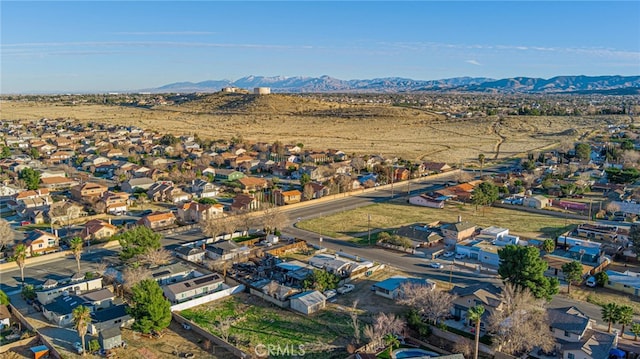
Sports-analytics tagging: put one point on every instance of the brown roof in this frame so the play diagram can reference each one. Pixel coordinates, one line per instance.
(25, 194)
(54, 180)
(294, 192)
(160, 216)
(252, 181)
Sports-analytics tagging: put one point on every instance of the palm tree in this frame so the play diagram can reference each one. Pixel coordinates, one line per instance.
(481, 158)
(81, 319)
(635, 329)
(625, 317)
(610, 314)
(475, 315)
(20, 254)
(76, 248)
(391, 340)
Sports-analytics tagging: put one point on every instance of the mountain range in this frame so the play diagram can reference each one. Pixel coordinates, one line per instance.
(619, 85)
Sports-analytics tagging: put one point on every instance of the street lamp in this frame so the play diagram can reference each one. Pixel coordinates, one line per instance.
(369, 227)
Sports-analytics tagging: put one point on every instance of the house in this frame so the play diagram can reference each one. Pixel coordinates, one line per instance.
(5, 317)
(115, 202)
(435, 167)
(340, 266)
(594, 345)
(536, 202)
(98, 299)
(88, 191)
(189, 253)
(41, 242)
(569, 323)
(64, 211)
(427, 201)
(193, 288)
(252, 184)
(109, 317)
(203, 189)
(391, 288)
(287, 197)
(59, 310)
(98, 229)
(143, 183)
(194, 212)
(166, 191)
(52, 289)
(110, 338)
(57, 182)
(455, 232)
(171, 273)
(627, 282)
(228, 175)
(158, 220)
(276, 290)
(245, 202)
(308, 302)
(315, 190)
(33, 198)
(226, 250)
(484, 294)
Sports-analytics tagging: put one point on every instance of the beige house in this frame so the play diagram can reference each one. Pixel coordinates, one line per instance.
(41, 242)
(194, 212)
(159, 220)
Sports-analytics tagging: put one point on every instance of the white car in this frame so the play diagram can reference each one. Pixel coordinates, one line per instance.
(346, 288)
(448, 254)
(460, 256)
(330, 293)
(436, 265)
(78, 347)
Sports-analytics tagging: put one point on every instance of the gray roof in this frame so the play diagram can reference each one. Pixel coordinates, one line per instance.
(188, 250)
(64, 304)
(310, 298)
(97, 295)
(110, 313)
(110, 332)
(194, 283)
(595, 344)
(569, 319)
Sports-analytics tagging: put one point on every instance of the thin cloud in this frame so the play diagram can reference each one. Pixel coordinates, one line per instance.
(473, 62)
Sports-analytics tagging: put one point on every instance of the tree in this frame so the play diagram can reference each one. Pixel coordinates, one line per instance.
(634, 237)
(431, 303)
(149, 307)
(583, 151)
(6, 234)
(610, 314)
(5, 153)
(572, 272)
(20, 254)
(635, 329)
(4, 298)
(81, 320)
(485, 194)
(137, 241)
(207, 201)
(273, 218)
(625, 317)
(320, 280)
(307, 192)
(626, 175)
(76, 245)
(481, 159)
(304, 179)
(549, 245)
(134, 274)
(523, 267)
(155, 257)
(355, 323)
(212, 226)
(31, 178)
(602, 278)
(383, 324)
(474, 314)
(391, 340)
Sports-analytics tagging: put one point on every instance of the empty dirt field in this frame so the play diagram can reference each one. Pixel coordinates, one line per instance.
(410, 133)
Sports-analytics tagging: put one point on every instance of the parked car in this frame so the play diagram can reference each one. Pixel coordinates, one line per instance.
(436, 265)
(448, 254)
(330, 293)
(346, 288)
(460, 256)
(78, 347)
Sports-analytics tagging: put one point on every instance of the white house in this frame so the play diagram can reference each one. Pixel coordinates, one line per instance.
(52, 289)
(391, 288)
(427, 201)
(193, 288)
(189, 253)
(308, 302)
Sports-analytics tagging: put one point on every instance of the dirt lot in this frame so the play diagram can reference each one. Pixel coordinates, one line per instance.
(363, 129)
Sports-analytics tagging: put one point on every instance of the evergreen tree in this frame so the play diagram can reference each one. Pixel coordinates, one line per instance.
(523, 267)
(137, 241)
(31, 178)
(149, 308)
(572, 272)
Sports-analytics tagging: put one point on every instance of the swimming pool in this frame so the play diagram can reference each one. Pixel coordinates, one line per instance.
(413, 353)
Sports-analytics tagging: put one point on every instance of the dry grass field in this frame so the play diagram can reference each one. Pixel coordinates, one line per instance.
(363, 129)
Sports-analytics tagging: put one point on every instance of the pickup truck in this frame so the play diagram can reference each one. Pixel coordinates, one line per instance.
(346, 288)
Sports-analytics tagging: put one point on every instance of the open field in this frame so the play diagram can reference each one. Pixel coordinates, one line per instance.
(259, 323)
(350, 224)
(410, 133)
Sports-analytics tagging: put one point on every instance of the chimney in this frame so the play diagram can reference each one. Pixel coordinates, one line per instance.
(459, 218)
(109, 220)
(55, 232)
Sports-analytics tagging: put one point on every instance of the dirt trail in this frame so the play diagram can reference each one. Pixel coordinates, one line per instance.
(496, 130)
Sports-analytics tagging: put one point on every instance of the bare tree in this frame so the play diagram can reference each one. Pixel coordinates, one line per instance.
(155, 257)
(355, 323)
(246, 220)
(212, 226)
(522, 324)
(224, 327)
(464, 346)
(273, 218)
(630, 158)
(613, 207)
(432, 303)
(230, 224)
(6, 234)
(134, 275)
(463, 177)
(307, 192)
(383, 324)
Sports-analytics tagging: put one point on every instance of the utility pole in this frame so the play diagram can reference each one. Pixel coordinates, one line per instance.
(369, 227)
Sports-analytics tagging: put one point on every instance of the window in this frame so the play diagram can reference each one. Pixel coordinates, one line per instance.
(571, 356)
(567, 334)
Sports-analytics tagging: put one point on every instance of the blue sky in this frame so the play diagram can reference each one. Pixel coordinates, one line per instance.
(75, 46)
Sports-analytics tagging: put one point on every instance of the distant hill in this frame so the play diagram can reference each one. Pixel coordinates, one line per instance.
(281, 84)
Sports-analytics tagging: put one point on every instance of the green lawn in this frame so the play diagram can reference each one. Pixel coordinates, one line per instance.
(257, 323)
(354, 223)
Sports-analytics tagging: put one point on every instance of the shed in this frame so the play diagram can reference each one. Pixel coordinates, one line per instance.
(308, 302)
(536, 202)
(110, 338)
(40, 351)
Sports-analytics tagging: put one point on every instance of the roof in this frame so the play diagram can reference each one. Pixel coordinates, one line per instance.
(595, 344)
(109, 313)
(111, 332)
(292, 265)
(459, 226)
(252, 181)
(569, 319)
(158, 216)
(54, 180)
(64, 304)
(4, 312)
(309, 298)
(194, 283)
(486, 292)
(97, 295)
(293, 192)
(393, 283)
(188, 250)
(140, 181)
(623, 278)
